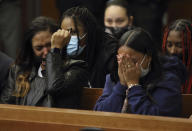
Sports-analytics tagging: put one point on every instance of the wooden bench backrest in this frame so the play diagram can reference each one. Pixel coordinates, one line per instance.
(187, 105)
(90, 96)
(26, 118)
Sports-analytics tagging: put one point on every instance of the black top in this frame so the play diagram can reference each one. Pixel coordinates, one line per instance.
(5, 62)
(60, 88)
(104, 61)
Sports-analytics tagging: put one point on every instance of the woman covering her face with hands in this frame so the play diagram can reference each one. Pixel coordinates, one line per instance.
(145, 83)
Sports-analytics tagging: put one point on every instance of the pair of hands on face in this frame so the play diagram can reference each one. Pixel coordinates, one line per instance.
(60, 38)
(128, 70)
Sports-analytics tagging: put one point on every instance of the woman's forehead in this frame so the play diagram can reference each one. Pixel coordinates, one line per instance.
(115, 11)
(175, 36)
(68, 23)
(129, 51)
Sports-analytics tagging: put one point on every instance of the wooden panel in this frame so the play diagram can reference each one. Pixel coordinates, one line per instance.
(89, 97)
(187, 105)
(178, 9)
(25, 118)
(48, 8)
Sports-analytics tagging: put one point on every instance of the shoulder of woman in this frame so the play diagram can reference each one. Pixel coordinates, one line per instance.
(109, 40)
(169, 62)
(73, 62)
(173, 64)
(15, 68)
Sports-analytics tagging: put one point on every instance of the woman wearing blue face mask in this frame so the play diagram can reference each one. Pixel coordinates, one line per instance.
(146, 83)
(66, 38)
(41, 75)
(72, 48)
(84, 39)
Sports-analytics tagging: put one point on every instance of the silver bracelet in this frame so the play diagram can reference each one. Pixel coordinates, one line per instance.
(131, 85)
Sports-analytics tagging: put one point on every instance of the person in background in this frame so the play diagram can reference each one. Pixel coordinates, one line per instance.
(151, 16)
(118, 17)
(10, 26)
(90, 43)
(177, 41)
(42, 74)
(95, 7)
(145, 83)
(5, 63)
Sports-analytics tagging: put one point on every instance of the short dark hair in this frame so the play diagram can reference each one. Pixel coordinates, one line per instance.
(25, 57)
(121, 3)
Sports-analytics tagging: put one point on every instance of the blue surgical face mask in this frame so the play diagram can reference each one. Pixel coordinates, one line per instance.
(144, 72)
(72, 47)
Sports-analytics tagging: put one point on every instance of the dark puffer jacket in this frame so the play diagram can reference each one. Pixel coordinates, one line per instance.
(61, 88)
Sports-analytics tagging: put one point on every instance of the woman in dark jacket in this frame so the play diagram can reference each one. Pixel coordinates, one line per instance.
(89, 42)
(42, 74)
(144, 84)
(5, 63)
(177, 41)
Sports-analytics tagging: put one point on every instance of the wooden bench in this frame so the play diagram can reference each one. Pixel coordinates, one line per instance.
(187, 105)
(90, 96)
(26, 118)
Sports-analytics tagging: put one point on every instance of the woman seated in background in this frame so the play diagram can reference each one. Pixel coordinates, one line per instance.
(5, 63)
(178, 41)
(42, 75)
(89, 42)
(144, 84)
(118, 17)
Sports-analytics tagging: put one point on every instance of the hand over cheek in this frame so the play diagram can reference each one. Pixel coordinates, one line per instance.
(131, 71)
(120, 71)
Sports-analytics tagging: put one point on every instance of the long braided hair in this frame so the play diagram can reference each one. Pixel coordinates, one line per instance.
(185, 27)
(94, 31)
